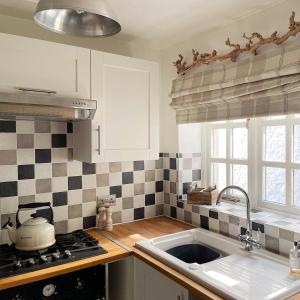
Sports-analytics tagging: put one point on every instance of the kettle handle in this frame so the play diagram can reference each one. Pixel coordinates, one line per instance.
(34, 205)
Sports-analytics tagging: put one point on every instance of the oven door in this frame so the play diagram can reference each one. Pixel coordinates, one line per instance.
(81, 285)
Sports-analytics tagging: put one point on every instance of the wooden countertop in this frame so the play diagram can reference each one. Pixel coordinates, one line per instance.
(115, 252)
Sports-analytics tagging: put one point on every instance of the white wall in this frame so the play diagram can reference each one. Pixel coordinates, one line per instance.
(28, 28)
(275, 18)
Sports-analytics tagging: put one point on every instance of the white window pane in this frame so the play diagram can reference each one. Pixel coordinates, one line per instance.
(240, 143)
(274, 185)
(240, 176)
(219, 143)
(297, 143)
(274, 143)
(297, 187)
(219, 175)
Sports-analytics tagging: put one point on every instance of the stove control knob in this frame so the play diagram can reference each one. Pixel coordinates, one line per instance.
(56, 255)
(44, 258)
(31, 262)
(17, 265)
(67, 253)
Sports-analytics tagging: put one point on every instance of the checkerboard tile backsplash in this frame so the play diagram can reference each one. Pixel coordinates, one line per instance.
(36, 164)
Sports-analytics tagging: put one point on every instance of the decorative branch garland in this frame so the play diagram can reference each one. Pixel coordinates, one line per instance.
(251, 46)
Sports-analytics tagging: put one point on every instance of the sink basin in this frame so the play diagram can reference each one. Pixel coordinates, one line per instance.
(222, 265)
(195, 253)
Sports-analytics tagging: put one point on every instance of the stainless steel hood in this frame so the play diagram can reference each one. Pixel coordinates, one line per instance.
(44, 105)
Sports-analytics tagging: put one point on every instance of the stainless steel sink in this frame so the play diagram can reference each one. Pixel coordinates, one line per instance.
(195, 253)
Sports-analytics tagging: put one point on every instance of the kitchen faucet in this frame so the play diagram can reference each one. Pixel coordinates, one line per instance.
(246, 238)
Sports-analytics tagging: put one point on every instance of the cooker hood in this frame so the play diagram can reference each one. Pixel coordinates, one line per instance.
(44, 105)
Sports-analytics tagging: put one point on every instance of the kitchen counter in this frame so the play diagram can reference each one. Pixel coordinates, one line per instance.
(115, 252)
(120, 244)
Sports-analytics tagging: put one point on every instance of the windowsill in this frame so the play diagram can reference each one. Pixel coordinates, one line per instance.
(258, 215)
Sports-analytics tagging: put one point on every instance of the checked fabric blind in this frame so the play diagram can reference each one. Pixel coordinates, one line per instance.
(263, 85)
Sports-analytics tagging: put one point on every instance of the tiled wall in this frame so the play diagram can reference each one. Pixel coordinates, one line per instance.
(277, 231)
(36, 164)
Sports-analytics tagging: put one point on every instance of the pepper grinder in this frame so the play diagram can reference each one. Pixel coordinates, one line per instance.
(109, 222)
(102, 218)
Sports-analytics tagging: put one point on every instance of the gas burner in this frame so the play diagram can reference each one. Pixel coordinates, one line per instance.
(68, 247)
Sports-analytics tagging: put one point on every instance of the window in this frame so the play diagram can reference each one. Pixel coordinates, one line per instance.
(227, 157)
(261, 155)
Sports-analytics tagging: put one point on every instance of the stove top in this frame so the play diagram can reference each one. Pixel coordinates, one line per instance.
(68, 247)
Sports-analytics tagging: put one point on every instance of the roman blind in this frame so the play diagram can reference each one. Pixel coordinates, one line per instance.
(263, 85)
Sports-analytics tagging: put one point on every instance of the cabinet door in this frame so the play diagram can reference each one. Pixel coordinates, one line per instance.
(151, 284)
(127, 92)
(41, 65)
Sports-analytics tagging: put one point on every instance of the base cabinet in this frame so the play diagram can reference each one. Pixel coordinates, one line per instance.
(150, 284)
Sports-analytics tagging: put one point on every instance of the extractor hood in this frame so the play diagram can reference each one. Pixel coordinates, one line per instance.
(44, 105)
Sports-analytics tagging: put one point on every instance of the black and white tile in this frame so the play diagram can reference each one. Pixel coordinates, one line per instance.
(36, 164)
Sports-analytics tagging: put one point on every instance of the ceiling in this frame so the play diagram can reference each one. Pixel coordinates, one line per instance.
(162, 22)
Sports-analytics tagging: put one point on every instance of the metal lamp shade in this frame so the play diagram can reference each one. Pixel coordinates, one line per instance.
(91, 18)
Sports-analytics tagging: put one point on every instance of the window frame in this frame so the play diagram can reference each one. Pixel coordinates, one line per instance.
(255, 159)
(208, 160)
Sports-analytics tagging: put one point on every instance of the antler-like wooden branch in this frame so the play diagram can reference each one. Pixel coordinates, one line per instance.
(254, 42)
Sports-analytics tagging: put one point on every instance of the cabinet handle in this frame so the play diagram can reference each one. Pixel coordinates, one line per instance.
(29, 90)
(99, 137)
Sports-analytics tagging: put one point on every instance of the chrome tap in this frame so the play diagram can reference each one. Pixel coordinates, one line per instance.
(246, 238)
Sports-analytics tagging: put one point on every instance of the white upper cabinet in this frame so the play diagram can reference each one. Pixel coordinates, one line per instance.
(40, 65)
(125, 126)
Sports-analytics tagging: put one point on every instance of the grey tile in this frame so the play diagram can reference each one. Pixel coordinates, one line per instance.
(89, 195)
(196, 209)
(102, 180)
(196, 175)
(272, 244)
(75, 211)
(286, 235)
(26, 199)
(224, 228)
(59, 169)
(159, 164)
(150, 175)
(166, 198)
(127, 203)
(234, 220)
(139, 189)
(159, 210)
(61, 227)
(42, 127)
(173, 188)
(187, 217)
(25, 141)
(115, 167)
(43, 186)
(70, 154)
(8, 157)
(117, 217)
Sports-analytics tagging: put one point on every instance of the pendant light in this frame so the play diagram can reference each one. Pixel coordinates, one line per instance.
(90, 18)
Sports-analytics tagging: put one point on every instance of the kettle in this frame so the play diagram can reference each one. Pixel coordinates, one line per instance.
(36, 233)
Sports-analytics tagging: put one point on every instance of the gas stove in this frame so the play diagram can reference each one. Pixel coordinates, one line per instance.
(68, 247)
